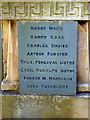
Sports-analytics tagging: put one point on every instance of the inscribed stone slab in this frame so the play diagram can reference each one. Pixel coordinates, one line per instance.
(47, 57)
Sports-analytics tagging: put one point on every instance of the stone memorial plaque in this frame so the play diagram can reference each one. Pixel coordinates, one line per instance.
(47, 57)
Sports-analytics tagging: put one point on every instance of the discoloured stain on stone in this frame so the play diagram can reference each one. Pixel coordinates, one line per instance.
(29, 106)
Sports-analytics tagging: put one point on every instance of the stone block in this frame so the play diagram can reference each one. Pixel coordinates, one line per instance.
(33, 106)
(45, 9)
(9, 107)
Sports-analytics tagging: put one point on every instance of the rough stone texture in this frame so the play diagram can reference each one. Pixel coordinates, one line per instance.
(9, 107)
(33, 106)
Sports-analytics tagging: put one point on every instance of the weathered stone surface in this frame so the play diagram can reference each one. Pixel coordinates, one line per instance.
(9, 107)
(45, 9)
(5, 28)
(12, 63)
(5, 85)
(82, 56)
(11, 80)
(33, 106)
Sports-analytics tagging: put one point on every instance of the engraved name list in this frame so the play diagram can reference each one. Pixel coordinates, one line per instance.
(47, 57)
